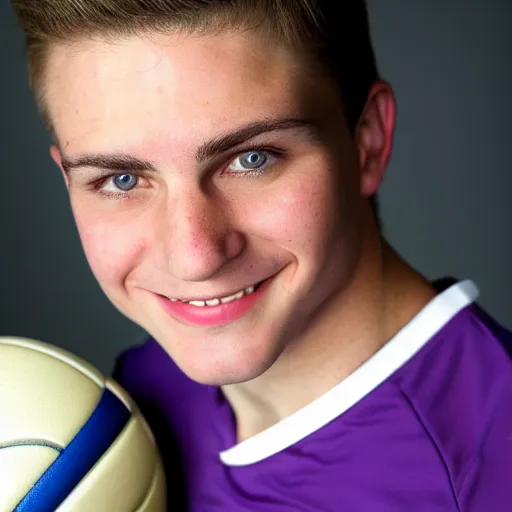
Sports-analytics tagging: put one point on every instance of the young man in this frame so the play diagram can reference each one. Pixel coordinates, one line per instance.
(221, 160)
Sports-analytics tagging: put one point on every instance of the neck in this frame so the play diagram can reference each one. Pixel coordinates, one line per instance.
(384, 295)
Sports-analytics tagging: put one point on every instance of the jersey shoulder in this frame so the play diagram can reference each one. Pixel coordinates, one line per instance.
(461, 391)
(159, 388)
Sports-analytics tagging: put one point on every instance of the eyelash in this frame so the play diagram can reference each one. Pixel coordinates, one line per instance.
(273, 152)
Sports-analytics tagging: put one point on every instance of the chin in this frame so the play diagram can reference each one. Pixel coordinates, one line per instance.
(229, 364)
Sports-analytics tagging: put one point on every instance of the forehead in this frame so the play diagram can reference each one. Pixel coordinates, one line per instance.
(155, 89)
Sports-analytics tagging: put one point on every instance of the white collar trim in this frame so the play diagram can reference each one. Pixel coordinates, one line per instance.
(402, 347)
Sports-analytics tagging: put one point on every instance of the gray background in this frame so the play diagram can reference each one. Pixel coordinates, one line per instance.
(445, 200)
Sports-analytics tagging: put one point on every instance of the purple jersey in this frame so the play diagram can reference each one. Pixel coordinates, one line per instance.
(423, 425)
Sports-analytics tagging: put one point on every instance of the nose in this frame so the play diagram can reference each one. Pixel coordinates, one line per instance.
(199, 237)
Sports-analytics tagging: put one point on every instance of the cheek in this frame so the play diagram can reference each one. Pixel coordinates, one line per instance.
(111, 245)
(299, 214)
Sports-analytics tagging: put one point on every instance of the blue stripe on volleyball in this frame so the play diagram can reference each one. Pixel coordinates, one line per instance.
(105, 424)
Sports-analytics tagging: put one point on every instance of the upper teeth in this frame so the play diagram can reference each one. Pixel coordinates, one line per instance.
(222, 300)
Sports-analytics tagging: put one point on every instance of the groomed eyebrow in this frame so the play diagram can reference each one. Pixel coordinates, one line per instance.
(207, 151)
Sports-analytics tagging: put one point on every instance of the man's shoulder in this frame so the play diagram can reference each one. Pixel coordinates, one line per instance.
(460, 387)
(158, 386)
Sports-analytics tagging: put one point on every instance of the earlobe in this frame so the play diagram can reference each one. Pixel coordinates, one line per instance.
(374, 136)
(57, 158)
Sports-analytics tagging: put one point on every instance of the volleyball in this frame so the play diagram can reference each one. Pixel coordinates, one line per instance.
(71, 439)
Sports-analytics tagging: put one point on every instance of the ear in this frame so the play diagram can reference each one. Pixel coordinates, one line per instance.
(374, 136)
(57, 158)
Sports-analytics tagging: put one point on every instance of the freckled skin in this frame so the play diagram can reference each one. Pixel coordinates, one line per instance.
(192, 231)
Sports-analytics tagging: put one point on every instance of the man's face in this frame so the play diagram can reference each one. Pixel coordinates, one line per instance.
(166, 216)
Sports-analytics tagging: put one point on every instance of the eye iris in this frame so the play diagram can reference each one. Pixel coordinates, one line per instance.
(125, 182)
(254, 160)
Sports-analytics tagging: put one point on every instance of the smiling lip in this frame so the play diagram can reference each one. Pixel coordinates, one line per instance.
(211, 316)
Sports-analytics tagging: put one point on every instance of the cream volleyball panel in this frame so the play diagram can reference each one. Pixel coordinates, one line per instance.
(46, 396)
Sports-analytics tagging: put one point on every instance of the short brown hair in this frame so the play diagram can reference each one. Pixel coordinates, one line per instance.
(333, 33)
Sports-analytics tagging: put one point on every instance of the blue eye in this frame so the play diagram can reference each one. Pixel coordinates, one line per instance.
(125, 182)
(254, 160)
(251, 162)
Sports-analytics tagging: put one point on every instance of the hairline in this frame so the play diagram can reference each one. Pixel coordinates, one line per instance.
(304, 59)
